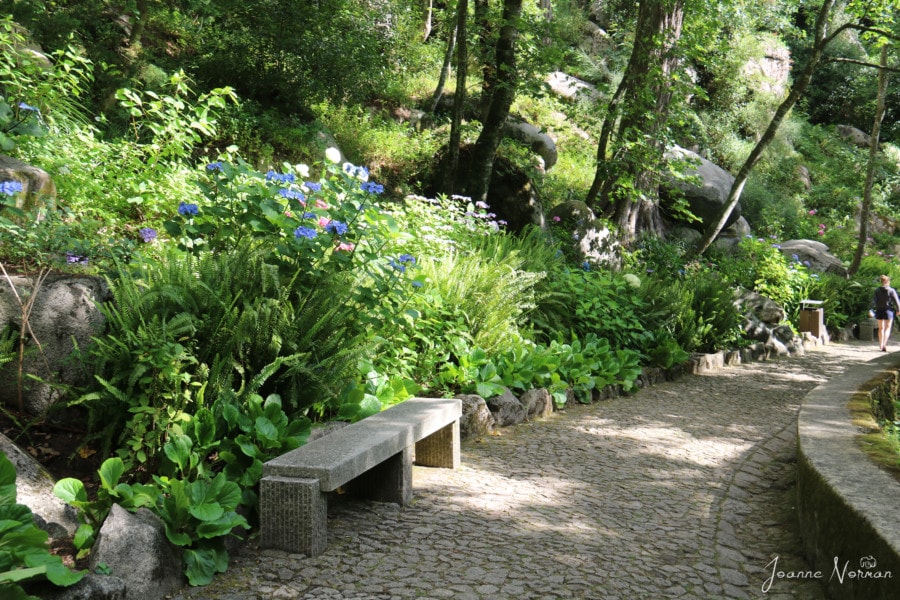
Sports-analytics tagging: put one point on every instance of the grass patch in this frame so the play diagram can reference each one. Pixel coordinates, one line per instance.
(882, 447)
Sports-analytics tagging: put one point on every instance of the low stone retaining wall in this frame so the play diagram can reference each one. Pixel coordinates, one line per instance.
(847, 505)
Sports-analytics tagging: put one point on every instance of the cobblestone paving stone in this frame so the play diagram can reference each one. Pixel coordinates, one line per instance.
(682, 490)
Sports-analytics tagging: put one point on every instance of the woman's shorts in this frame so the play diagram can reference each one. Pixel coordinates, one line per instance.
(884, 315)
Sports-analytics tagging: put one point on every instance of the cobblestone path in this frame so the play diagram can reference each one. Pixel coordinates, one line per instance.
(682, 490)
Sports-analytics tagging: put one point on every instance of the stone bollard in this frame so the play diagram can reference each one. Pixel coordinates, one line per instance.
(867, 329)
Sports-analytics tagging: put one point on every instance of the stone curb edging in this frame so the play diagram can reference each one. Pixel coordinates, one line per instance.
(847, 505)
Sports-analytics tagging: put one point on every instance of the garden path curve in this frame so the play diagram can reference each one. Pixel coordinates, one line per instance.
(682, 490)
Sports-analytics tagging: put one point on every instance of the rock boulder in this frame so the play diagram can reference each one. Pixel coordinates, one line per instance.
(135, 549)
(707, 194)
(38, 188)
(815, 255)
(64, 309)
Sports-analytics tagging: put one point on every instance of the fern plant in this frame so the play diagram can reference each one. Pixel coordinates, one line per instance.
(183, 330)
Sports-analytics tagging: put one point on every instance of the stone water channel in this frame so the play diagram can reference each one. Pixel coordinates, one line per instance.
(682, 490)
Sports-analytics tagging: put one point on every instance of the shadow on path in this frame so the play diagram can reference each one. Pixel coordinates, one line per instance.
(682, 490)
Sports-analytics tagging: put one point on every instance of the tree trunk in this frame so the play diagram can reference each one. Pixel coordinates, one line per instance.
(870, 168)
(821, 40)
(459, 99)
(132, 53)
(445, 71)
(429, 13)
(625, 185)
(504, 93)
(487, 56)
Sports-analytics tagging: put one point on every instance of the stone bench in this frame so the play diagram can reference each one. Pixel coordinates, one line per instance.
(371, 458)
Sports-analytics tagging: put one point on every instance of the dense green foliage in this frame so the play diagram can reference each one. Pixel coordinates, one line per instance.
(259, 290)
(24, 551)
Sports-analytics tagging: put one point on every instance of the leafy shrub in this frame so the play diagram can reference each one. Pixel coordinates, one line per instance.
(197, 514)
(183, 331)
(846, 301)
(694, 311)
(759, 265)
(24, 552)
(583, 302)
(580, 366)
(35, 95)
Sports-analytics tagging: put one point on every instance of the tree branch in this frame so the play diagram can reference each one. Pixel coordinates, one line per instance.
(863, 63)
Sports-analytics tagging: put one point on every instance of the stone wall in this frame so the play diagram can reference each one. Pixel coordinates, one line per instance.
(847, 504)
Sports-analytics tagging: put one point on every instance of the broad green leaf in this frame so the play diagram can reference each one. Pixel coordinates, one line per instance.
(11, 591)
(209, 511)
(84, 536)
(60, 575)
(178, 450)
(266, 430)
(200, 565)
(16, 575)
(110, 472)
(71, 491)
(7, 481)
(369, 406)
(221, 526)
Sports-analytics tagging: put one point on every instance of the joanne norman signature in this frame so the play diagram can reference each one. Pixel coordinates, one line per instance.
(866, 570)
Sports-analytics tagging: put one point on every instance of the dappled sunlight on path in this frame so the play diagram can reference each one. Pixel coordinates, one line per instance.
(682, 490)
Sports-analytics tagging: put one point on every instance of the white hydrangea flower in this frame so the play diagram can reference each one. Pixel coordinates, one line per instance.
(333, 155)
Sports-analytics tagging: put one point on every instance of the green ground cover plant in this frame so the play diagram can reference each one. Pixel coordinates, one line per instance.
(24, 551)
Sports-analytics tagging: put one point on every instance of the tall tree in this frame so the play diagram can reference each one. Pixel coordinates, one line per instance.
(625, 188)
(484, 33)
(502, 96)
(445, 69)
(459, 99)
(870, 168)
(864, 13)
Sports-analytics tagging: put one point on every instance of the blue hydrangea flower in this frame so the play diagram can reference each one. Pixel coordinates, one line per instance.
(305, 232)
(148, 234)
(482, 204)
(336, 227)
(75, 259)
(215, 166)
(292, 195)
(10, 188)
(393, 263)
(361, 173)
(280, 177)
(186, 209)
(312, 186)
(372, 188)
(417, 284)
(309, 215)
(407, 258)
(586, 266)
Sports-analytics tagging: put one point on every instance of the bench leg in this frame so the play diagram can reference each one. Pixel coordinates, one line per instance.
(390, 481)
(293, 515)
(440, 449)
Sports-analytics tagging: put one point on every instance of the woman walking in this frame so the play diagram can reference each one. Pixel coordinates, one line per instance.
(884, 304)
